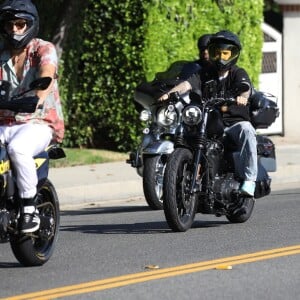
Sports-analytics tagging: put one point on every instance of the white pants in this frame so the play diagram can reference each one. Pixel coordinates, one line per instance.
(25, 141)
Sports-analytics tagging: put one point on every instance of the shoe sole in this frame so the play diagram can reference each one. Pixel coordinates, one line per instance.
(247, 194)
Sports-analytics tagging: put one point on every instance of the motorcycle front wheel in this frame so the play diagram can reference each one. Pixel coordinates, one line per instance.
(36, 248)
(179, 204)
(153, 174)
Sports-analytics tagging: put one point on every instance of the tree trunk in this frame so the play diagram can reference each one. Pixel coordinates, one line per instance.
(67, 20)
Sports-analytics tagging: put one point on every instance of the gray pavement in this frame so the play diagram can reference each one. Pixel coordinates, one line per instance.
(116, 183)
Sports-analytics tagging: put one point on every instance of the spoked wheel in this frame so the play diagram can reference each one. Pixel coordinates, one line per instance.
(35, 249)
(154, 169)
(243, 212)
(179, 204)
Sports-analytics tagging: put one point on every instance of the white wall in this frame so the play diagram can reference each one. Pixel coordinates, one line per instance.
(291, 67)
(291, 77)
(272, 82)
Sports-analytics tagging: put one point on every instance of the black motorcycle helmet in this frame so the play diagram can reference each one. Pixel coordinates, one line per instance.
(203, 41)
(19, 9)
(224, 49)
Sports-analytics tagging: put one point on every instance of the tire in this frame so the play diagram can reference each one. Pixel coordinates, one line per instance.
(243, 213)
(179, 205)
(35, 249)
(154, 169)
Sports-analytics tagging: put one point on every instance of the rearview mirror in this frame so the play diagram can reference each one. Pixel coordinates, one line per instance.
(40, 83)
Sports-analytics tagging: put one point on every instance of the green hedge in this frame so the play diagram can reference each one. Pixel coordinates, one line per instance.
(113, 45)
(173, 28)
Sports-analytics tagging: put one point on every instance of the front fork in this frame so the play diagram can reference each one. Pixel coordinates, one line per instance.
(200, 146)
(196, 169)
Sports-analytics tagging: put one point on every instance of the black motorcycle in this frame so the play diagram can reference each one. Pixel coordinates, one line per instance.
(201, 173)
(30, 249)
(161, 120)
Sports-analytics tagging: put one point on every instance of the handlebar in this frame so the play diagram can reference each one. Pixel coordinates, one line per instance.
(185, 99)
(176, 97)
(18, 103)
(172, 99)
(22, 105)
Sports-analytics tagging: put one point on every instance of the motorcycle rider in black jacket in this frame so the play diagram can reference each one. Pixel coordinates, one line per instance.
(224, 49)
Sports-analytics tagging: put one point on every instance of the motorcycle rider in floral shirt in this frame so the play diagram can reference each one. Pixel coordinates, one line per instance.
(24, 58)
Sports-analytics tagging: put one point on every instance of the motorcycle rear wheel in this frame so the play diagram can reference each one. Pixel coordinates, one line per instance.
(179, 205)
(35, 249)
(153, 174)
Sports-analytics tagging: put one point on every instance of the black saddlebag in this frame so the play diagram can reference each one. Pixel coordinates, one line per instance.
(266, 153)
(266, 162)
(263, 183)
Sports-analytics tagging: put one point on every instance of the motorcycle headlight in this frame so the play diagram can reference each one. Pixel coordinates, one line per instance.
(145, 115)
(192, 115)
(167, 116)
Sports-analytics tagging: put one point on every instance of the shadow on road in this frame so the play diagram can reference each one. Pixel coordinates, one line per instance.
(5, 265)
(136, 228)
(104, 210)
(125, 228)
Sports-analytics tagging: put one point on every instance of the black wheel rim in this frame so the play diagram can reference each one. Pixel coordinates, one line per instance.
(44, 238)
(185, 200)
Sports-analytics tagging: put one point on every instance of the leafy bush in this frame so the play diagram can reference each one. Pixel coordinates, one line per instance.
(100, 75)
(173, 28)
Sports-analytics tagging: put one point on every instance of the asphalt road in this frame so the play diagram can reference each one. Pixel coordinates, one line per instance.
(98, 243)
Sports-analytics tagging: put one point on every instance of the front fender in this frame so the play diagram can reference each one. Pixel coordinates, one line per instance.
(151, 148)
(159, 147)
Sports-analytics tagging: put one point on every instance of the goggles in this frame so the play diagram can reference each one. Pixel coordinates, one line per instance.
(19, 24)
(224, 52)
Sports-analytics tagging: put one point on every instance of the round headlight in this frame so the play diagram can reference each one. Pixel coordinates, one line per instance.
(192, 115)
(145, 115)
(167, 116)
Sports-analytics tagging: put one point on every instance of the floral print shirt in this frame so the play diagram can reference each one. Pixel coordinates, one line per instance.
(38, 53)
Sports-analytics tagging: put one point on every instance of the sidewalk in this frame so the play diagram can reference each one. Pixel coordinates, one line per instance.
(113, 183)
(91, 184)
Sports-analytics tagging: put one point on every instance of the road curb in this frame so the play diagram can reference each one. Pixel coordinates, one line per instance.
(118, 181)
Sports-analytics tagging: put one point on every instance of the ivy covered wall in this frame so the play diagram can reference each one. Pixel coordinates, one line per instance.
(173, 28)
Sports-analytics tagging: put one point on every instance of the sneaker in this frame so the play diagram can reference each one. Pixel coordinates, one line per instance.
(30, 221)
(248, 188)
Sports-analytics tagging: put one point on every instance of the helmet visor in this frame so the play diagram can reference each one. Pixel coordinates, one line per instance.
(18, 23)
(223, 52)
(10, 16)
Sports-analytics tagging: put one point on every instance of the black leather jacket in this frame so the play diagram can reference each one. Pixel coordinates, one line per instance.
(226, 87)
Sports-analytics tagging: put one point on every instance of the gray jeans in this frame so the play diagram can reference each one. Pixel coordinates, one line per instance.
(243, 134)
